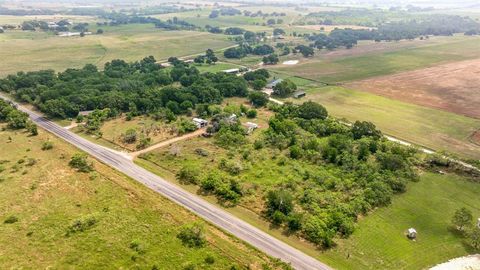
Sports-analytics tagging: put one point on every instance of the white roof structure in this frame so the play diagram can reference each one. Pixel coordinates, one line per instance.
(199, 120)
(412, 231)
(251, 125)
(232, 70)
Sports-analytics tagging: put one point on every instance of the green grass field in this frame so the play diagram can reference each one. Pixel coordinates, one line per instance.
(27, 51)
(362, 66)
(431, 128)
(428, 206)
(47, 196)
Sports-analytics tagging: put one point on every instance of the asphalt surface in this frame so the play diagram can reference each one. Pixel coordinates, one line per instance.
(213, 214)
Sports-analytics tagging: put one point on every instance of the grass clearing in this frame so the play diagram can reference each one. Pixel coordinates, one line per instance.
(432, 128)
(49, 196)
(28, 51)
(428, 206)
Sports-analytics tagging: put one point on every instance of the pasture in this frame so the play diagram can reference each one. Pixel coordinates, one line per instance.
(28, 51)
(133, 226)
(346, 68)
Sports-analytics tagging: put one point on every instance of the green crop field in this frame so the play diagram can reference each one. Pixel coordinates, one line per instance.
(428, 206)
(361, 66)
(134, 228)
(27, 51)
(428, 127)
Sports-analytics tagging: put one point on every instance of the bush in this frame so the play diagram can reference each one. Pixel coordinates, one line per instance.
(79, 161)
(312, 110)
(47, 145)
(192, 235)
(10, 220)
(252, 113)
(258, 99)
(209, 259)
(188, 175)
(81, 225)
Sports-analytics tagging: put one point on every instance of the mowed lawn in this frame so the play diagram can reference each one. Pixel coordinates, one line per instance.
(356, 67)
(435, 129)
(27, 51)
(135, 228)
(428, 206)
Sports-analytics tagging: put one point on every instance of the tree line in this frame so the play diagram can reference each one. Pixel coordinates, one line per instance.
(139, 87)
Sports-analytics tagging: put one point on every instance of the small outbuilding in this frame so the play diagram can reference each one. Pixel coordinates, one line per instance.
(273, 83)
(200, 123)
(85, 113)
(478, 223)
(412, 233)
(299, 94)
(231, 71)
(251, 127)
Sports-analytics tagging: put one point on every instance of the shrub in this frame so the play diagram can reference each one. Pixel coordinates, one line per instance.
(252, 113)
(209, 259)
(192, 235)
(81, 225)
(10, 220)
(79, 161)
(188, 175)
(47, 145)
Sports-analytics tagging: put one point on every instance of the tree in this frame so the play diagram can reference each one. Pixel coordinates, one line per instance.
(317, 231)
(192, 235)
(99, 31)
(258, 99)
(278, 32)
(271, 59)
(279, 200)
(462, 219)
(284, 88)
(130, 136)
(252, 113)
(312, 110)
(306, 51)
(32, 128)
(365, 129)
(79, 161)
(263, 50)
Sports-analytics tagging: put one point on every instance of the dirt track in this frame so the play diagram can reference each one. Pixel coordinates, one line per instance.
(453, 87)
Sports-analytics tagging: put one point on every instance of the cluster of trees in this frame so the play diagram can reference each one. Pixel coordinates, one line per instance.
(356, 171)
(257, 79)
(394, 31)
(209, 58)
(271, 59)
(259, 13)
(135, 88)
(16, 119)
(244, 49)
(285, 88)
(463, 222)
(26, 12)
(224, 12)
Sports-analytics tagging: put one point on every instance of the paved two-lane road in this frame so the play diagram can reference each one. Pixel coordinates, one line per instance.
(215, 215)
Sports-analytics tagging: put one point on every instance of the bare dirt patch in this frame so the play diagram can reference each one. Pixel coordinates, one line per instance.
(476, 137)
(453, 87)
